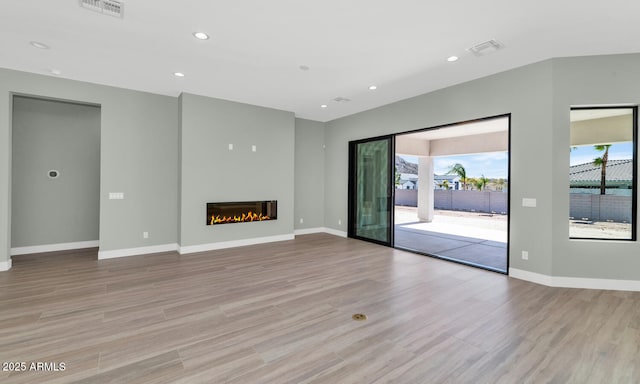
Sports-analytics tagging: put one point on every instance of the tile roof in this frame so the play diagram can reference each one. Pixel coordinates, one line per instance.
(617, 171)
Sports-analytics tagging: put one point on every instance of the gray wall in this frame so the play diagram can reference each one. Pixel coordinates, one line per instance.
(481, 201)
(138, 156)
(62, 136)
(406, 197)
(600, 207)
(309, 174)
(539, 97)
(525, 92)
(579, 81)
(211, 173)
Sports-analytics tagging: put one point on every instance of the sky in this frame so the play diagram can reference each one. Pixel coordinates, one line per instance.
(586, 153)
(494, 165)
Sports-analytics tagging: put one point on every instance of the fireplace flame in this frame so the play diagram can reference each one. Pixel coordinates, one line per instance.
(246, 217)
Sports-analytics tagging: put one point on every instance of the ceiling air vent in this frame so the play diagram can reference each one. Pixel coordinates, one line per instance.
(486, 47)
(341, 99)
(108, 7)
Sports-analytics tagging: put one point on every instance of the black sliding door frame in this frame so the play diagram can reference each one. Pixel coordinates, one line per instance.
(352, 222)
(352, 191)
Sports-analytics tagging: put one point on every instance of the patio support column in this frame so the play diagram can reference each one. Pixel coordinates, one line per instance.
(425, 188)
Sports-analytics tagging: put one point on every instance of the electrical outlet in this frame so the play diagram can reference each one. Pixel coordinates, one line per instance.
(339, 222)
(525, 255)
(145, 235)
(301, 220)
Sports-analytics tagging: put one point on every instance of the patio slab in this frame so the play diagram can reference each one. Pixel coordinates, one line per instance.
(471, 250)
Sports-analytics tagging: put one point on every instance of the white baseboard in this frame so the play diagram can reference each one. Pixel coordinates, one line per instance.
(5, 265)
(575, 282)
(232, 244)
(308, 231)
(137, 251)
(531, 276)
(335, 232)
(54, 247)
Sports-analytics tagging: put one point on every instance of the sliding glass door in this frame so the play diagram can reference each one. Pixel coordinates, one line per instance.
(371, 190)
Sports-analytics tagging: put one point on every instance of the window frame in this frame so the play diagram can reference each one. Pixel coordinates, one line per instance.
(634, 175)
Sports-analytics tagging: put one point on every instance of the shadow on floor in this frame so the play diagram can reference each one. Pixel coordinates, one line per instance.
(477, 252)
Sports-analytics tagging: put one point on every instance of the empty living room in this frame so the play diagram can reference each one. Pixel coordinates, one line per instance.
(204, 192)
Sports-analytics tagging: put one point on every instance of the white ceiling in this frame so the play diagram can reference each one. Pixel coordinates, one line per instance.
(257, 46)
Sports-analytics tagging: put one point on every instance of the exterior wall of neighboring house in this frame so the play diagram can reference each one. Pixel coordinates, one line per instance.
(408, 185)
(454, 182)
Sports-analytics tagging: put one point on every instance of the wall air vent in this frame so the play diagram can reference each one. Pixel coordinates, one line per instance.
(341, 99)
(108, 7)
(486, 47)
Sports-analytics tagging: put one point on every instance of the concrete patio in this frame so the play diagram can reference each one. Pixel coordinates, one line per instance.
(466, 237)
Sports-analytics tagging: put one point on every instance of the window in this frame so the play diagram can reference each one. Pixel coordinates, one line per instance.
(602, 173)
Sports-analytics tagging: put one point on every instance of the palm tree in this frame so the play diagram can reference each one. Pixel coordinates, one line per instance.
(602, 162)
(481, 182)
(472, 182)
(458, 169)
(444, 184)
(499, 184)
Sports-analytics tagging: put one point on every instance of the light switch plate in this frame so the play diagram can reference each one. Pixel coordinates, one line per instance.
(529, 202)
(116, 195)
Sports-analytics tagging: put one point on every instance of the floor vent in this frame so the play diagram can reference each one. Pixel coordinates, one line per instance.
(108, 7)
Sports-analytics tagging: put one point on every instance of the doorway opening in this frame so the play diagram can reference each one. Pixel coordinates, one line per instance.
(449, 192)
(55, 177)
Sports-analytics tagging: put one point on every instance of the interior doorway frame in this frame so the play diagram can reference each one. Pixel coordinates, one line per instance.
(16, 251)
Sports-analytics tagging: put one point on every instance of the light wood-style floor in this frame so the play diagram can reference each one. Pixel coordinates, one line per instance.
(281, 313)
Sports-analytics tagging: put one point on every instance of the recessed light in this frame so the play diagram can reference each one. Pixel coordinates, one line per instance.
(39, 45)
(451, 59)
(178, 74)
(323, 106)
(304, 68)
(201, 36)
(373, 87)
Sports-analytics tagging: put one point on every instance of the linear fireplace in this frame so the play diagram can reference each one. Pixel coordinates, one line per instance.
(241, 212)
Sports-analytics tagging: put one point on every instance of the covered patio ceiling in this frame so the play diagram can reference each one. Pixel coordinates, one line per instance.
(489, 135)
